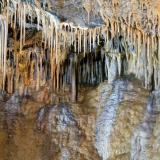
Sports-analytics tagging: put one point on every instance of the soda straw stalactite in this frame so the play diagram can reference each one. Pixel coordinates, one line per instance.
(123, 43)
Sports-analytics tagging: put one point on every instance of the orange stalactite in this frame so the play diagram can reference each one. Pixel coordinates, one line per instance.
(57, 37)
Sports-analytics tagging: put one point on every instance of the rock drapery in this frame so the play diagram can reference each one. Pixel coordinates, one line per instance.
(128, 42)
(46, 45)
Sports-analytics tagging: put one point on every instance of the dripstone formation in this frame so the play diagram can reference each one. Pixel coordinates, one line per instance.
(39, 43)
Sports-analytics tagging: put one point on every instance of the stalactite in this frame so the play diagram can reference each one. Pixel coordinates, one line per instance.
(94, 37)
(3, 45)
(138, 52)
(98, 35)
(84, 42)
(73, 79)
(37, 74)
(1, 40)
(78, 37)
(138, 46)
(88, 8)
(15, 15)
(24, 24)
(90, 39)
(158, 62)
(75, 39)
(119, 63)
(149, 58)
(80, 41)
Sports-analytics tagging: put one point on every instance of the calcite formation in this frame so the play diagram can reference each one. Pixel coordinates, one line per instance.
(127, 41)
(53, 47)
(121, 114)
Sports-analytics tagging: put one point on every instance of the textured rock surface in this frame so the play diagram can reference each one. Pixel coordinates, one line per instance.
(75, 11)
(37, 130)
(123, 111)
(142, 145)
(141, 12)
(47, 47)
(107, 118)
(112, 121)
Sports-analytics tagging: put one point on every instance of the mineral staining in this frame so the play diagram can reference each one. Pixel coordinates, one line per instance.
(127, 47)
(106, 119)
(43, 53)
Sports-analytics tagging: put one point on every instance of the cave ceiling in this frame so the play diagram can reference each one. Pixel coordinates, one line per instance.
(140, 14)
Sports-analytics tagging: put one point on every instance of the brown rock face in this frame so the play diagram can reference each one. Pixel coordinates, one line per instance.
(64, 88)
(111, 121)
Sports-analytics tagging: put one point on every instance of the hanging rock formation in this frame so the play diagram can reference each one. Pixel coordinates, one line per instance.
(59, 65)
(126, 39)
